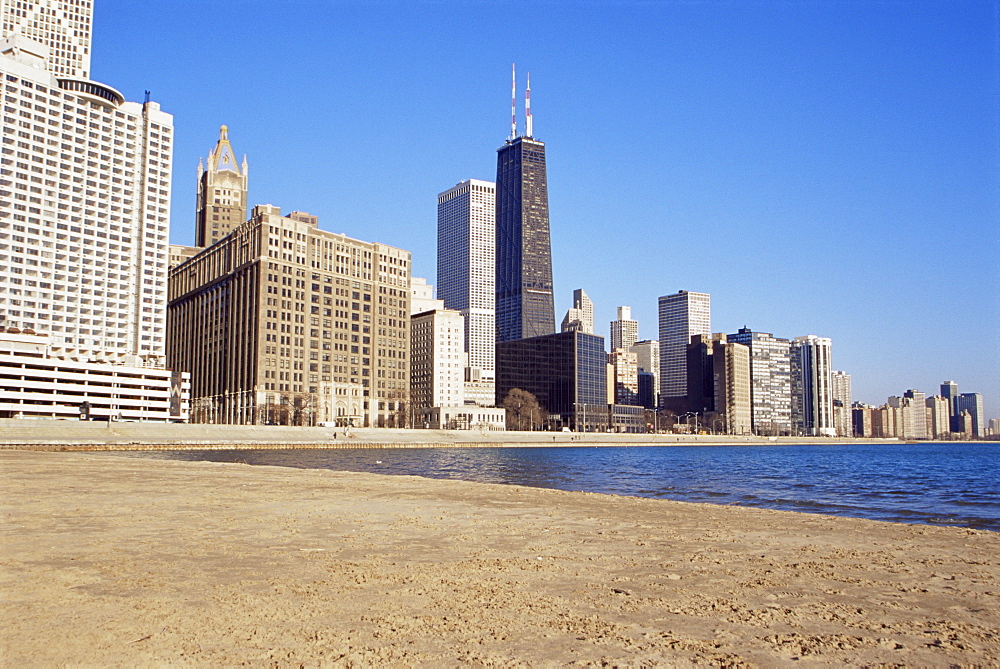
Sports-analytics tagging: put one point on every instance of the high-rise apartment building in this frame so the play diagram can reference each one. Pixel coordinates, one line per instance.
(812, 386)
(770, 389)
(842, 403)
(938, 417)
(719, 383)
(580, 316)
(681, 316)
(222, 193)
(436, 361)
(949, 391)
(624, 330)
(624, 377)
(524, 302)
(972, 404)
(63, 27)
(647, 360)
(84, 196)
(281, 322)
(466, 275)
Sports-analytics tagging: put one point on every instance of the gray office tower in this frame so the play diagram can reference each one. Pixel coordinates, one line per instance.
(524, 304)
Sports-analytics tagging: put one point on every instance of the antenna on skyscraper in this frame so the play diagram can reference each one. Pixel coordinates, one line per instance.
(513, 103)
(527, 108)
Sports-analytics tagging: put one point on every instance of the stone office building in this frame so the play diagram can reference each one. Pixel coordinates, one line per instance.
(281, 322)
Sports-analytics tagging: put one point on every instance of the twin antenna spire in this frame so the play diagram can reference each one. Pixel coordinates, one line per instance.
(513, 105)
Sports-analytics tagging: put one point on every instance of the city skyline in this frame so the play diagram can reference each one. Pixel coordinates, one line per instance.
(843, 153)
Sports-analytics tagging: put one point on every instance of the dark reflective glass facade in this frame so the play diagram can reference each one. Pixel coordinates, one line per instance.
(524, 306)
(566, 372)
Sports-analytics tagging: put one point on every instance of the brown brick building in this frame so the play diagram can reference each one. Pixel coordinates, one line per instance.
(281, 322)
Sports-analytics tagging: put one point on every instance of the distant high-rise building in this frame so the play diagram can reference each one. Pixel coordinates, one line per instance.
(915, 418)
(842, 404)
(625, 377)
(422, 296)
(681, 316)
(63, 28)
(436, 361)
(84, 194)
(719, 383)
(580, 316)
(812, 386)
(319, 334)
(972, 403)
(524, 303)
(938, 417)
(647, 359)
(949, 391)
(466, 248)
(222, 193)
(770, 378)
(624, 330)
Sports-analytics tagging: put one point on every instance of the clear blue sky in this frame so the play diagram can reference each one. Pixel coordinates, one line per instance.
(819, 167)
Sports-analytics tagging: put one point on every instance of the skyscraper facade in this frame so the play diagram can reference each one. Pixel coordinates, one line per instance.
(281, 322)
(972, 404)
(580, 316)
(524, 302)
(842, 403)
(770, 389)
(466, 272)
(681, 316)
(222, 193)
(436, 361)
(647, 360)
(64, 28)
(85, 206)
(624, 330)
(812, 386)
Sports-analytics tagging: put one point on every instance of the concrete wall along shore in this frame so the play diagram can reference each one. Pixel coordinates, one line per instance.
(64, 435)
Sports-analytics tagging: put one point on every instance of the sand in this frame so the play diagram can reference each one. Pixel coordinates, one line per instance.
(107, 559)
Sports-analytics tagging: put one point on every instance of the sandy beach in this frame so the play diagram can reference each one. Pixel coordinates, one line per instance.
(107, 559)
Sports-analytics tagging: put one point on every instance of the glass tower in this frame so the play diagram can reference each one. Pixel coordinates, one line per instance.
(524, 304)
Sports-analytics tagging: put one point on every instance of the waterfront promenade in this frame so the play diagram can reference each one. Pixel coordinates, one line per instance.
(77, 435)
(110, 560)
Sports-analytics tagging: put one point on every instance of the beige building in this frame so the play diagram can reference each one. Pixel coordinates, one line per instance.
(624, 382)
(222, 193)
(731, 371)
(938, 417)
(281, 322)
(437, 361)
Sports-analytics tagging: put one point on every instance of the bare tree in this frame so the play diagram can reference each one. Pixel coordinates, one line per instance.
(523, 410)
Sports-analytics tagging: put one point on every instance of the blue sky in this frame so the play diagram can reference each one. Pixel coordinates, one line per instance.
(819, 167)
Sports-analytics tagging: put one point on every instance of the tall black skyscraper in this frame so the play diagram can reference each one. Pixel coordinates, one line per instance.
(524, 306)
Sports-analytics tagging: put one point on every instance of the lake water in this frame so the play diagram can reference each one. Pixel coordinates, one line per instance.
(937, 483)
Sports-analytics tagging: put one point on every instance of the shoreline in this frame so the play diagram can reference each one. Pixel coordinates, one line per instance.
(83, 436)
(137, 561)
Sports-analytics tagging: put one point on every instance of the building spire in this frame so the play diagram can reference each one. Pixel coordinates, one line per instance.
(527, 108)
(513, 103)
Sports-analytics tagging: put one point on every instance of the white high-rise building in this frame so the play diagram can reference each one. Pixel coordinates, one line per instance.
(63, 26)
(682, 315)
(842, 404)
(812, 386)
(624, 331)
(770, 391)
(436, 360)
(84, 194)
(466, 276)
(580, 317)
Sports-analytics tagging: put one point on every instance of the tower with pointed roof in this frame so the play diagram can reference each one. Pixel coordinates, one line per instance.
(222, 193)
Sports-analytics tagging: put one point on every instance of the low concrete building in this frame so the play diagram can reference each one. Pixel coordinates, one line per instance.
(36, 381)
(466, 417)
